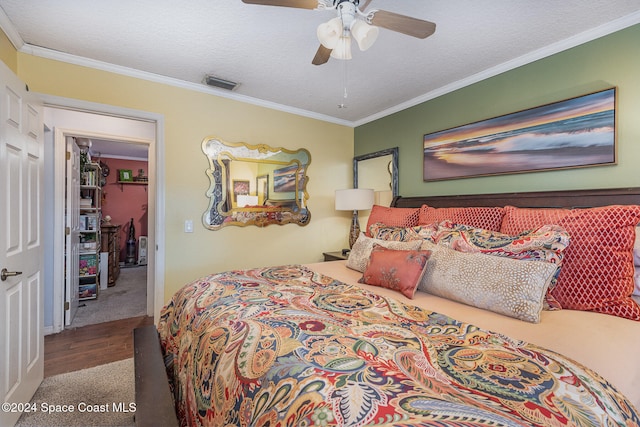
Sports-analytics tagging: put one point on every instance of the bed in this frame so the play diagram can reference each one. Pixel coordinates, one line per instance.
(311, 345)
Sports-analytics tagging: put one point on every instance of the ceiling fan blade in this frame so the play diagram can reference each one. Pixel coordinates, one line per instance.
(403, 24)
(300, 4)
(365, 5)
(322, 55)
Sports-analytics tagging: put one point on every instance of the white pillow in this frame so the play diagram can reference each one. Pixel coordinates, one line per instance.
(361, 250)
(512, 287)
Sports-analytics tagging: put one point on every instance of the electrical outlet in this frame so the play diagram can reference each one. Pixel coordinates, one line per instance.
(188, 226)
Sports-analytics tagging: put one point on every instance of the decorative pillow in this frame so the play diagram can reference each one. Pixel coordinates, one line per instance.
(361, 250)
(489, 218)
(506, 286)
(395, 217)
(403, 234)
(636, 262)
(397, 270)
(546, 243)
(597, 269)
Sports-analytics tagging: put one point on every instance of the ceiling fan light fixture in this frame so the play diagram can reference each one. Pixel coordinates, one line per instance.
(342, 50)
(364, 34)
(329, 33)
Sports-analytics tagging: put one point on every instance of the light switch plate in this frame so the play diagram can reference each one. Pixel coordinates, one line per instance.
(188, 226)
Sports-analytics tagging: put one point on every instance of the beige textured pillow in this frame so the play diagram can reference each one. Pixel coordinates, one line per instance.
(361, 250)
(506, 286)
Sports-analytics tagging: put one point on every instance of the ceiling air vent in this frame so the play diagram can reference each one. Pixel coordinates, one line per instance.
(218, 82)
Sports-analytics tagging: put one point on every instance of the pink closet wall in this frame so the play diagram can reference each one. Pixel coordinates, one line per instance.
(125, 201)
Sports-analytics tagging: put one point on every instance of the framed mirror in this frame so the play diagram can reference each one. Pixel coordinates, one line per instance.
(255, 185)
(379, 171)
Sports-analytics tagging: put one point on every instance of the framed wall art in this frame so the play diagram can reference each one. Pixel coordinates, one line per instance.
(125, 175)
(240, 188)
(576, 132)
(284, 179)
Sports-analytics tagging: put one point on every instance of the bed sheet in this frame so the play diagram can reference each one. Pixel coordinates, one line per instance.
(607, 344)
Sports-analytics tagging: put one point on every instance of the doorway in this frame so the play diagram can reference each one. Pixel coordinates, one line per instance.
(117, 289)
(130, 129)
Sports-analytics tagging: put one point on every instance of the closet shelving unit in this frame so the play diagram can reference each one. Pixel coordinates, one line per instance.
(90, 219)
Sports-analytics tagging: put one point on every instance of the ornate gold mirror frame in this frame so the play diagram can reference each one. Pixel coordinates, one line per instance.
(255, 185)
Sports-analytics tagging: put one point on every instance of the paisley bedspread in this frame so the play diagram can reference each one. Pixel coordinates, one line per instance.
(285, 346)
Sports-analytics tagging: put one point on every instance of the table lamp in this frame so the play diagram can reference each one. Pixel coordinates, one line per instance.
(354, 199)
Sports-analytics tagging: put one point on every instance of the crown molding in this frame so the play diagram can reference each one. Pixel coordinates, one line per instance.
(156, 78)
(571, 42)
(10, 30)
(627, 21)
(118, 157)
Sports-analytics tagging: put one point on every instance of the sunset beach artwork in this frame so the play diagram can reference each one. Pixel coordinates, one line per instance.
(576, 132)
(284, 179)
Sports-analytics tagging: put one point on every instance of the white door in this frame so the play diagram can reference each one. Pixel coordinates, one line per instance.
(21, 246)
(72, 227)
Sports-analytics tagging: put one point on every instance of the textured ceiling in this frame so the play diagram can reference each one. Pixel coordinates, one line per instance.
(268, 50)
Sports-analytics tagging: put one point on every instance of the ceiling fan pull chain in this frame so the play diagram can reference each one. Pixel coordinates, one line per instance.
(345, 93)
(345, 79)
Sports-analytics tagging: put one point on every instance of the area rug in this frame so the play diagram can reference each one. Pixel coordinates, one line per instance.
(100, 396)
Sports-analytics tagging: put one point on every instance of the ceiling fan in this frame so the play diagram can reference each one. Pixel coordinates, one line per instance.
(352, 22)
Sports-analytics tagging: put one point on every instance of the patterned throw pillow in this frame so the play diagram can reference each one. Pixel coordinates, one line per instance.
(597, 269)
(506, 286)
(397, 270)
(395, 217)
(403, 234)
(361, 250)
(489, 218)
(546, 243)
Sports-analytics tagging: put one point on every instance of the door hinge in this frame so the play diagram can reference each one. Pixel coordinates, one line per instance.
(68, 155)
(66, 305)
(67, 230)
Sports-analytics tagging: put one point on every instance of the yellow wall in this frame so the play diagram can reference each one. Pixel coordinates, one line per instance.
(8, 53)
(190, 117)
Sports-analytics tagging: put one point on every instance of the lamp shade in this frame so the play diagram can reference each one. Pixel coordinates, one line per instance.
(364, 34)
(245, 200)
(342, 49)
(330, 32)
(354, 199)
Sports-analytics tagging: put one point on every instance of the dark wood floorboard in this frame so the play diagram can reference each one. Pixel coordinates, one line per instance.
(91, 345)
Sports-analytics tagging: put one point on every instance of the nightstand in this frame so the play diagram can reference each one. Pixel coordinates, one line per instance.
(335, 256)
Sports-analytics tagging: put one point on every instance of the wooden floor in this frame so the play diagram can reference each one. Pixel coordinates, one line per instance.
(89, 346)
